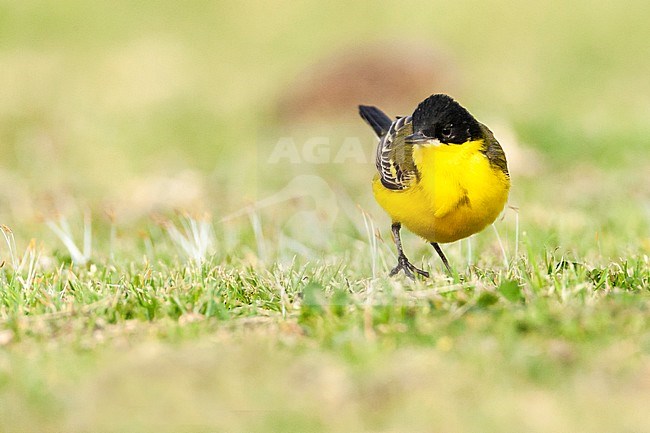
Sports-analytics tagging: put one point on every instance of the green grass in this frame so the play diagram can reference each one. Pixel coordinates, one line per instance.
(145, 116)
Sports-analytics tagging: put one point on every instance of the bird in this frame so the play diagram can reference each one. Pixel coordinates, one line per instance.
(440, 173)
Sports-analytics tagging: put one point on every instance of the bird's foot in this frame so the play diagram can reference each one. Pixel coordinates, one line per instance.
(403, 264)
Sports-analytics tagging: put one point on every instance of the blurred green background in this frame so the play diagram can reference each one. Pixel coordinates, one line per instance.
(97, 96)
(137, 108)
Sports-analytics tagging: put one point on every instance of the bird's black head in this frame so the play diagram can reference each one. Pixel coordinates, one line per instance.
(441, 118)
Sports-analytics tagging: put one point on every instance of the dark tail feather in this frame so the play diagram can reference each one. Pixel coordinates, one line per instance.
(376, 118)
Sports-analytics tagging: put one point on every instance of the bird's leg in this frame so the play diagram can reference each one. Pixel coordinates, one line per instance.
(403, 263)
(442, 256)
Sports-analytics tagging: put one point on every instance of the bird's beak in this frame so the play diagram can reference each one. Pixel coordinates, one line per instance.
(417, 138)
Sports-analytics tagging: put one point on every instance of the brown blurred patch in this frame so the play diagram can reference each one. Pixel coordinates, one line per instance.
(395, 76)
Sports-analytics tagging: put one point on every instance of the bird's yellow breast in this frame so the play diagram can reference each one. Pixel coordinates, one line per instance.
(457, 194)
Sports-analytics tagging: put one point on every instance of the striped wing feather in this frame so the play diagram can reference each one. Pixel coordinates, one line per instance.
(395, 158)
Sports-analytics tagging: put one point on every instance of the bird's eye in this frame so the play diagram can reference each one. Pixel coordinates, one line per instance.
(446, 131)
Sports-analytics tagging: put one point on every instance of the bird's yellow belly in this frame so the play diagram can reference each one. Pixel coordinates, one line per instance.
(454, 198)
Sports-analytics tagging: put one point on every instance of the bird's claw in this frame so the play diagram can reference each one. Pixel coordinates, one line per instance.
(403, 264)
